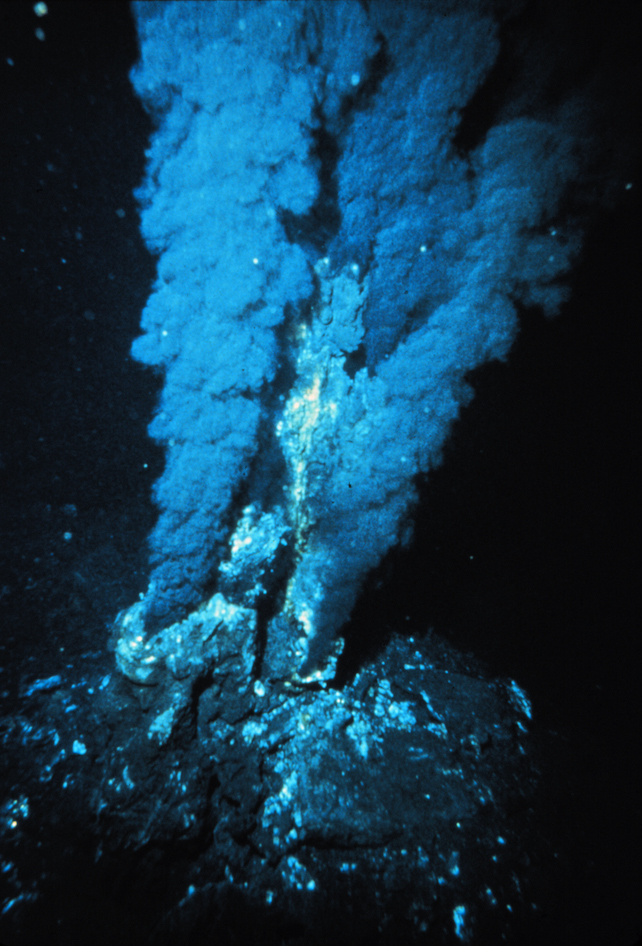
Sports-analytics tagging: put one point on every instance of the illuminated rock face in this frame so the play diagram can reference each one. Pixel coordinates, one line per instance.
(309, 804)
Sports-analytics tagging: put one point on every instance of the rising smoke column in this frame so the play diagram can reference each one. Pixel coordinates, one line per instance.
(231, 151)
(366, 328)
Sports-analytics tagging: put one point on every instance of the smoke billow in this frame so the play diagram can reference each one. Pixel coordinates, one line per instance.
(333, 260)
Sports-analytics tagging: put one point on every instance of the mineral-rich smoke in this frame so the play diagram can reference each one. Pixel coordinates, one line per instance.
(335, 255)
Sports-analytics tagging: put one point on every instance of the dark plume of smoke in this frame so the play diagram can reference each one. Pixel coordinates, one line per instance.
(349, 203)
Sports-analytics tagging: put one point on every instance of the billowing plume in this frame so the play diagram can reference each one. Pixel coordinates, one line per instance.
(334, 258)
